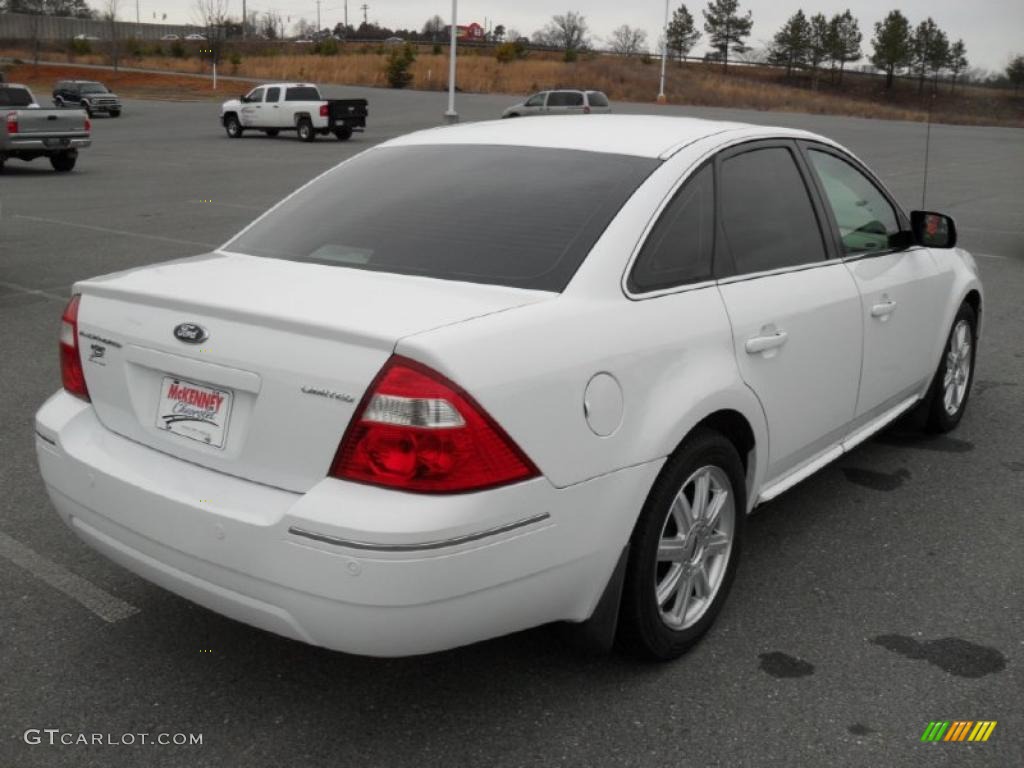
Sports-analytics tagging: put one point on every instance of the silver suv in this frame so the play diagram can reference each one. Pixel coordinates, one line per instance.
(560, 103)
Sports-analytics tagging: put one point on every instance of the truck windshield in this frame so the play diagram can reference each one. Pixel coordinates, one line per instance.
(516, 216)
(15, 97)
(307, 93)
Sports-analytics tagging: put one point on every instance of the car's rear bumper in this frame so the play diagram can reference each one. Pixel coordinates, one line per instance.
(346, 566)
(38, 144)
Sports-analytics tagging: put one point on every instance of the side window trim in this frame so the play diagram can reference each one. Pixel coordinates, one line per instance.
(724, 264)
(804, 147)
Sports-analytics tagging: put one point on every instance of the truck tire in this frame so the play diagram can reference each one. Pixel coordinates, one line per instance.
(272, 132)
(63, 162)
(305, 130)
(115, 113)
(233, 127)
(344, 133)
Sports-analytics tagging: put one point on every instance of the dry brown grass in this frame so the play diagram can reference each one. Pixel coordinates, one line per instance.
(759, 88)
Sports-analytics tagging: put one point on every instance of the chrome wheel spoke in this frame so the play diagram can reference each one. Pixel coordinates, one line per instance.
(672, 550)
(701, 582)
(701, 490)
(668, 586)
(715, 508)
(682, 513)
(718, 544)
(682, 601)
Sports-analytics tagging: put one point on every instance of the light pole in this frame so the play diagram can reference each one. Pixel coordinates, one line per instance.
(664, 57)
(451, 116)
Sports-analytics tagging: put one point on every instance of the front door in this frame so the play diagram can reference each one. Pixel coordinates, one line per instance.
(901, 294)
(252, 108)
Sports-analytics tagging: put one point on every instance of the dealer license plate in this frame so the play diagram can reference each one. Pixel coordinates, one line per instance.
(196, 411)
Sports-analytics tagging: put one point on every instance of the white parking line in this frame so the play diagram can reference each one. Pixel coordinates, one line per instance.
(114, 231)
(103, 604)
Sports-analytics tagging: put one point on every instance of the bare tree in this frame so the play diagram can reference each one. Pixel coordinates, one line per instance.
(628, 41)
(568, 32)
(109, 11)
(212, 16)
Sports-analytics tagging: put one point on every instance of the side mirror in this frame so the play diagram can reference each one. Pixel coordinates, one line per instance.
(933, 230)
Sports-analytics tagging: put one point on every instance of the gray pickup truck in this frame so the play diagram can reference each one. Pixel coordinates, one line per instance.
(28, 131)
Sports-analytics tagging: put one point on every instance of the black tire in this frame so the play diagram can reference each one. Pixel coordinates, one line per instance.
(63, 162)
(115, 113)
(642, 628)
(343, 134)
(233, 127)
(58, 103)
(940, 417)
(305, 130)
(272, 132)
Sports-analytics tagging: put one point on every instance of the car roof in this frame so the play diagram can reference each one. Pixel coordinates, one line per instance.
(285, 85)
(639, 135)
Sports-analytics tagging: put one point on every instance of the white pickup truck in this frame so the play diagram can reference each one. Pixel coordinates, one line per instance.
(299, 107)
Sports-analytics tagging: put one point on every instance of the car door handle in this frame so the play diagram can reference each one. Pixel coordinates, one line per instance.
(759, 344)
(883, 309)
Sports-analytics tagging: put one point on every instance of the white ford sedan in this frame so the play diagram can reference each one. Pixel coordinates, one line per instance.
(482, 378)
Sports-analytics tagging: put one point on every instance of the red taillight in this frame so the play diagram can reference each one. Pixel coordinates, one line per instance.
(71, 372)
(88, 125)
(417, 431)
(323, 110)
(12, 122)
(586, 110)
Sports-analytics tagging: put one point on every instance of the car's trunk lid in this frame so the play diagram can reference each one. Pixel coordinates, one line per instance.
(254, 366)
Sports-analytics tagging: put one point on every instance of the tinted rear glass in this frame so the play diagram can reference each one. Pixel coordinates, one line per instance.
(302, 94)
(516, 216)
(597, 99)
(565, 99)
(14, 97)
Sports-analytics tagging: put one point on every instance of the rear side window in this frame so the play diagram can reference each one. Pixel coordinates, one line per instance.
(273, 94)
(302, 93)
(681, 244)
(597, 99)
(15, 97)
(515, 216)
(767, 217)
(565, 99)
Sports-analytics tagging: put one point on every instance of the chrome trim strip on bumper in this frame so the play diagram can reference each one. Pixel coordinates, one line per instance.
(418, 547)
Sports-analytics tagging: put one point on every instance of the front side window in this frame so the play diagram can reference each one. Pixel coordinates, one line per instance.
(866, 220)
(504, 215)
(680, 247)
(768, 220)
(255, 96)
(536, 101)
(273, 94)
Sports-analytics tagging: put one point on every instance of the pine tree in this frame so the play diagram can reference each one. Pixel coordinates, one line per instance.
(844, 40)
(726, 28)
(891, 45)
(957, 61)
(682, 32)
(790, 44)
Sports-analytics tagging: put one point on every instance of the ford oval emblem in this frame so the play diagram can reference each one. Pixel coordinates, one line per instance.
(190, 333)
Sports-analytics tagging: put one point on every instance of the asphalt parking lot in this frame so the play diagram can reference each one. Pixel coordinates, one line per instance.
(883, 593)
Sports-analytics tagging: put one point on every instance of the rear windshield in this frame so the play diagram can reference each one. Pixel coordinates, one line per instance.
(597, 99)
(15, 97)
(307, 93)
(516, 216)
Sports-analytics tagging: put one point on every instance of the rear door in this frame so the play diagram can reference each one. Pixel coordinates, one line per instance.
(901, 290)
(270, 115)
(795, 310)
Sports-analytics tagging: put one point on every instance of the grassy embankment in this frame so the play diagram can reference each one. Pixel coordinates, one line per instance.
(761, 88)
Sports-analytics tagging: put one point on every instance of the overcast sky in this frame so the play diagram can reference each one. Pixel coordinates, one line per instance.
(991, 29)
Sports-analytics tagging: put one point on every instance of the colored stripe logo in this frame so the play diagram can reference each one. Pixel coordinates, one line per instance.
(958, 730)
